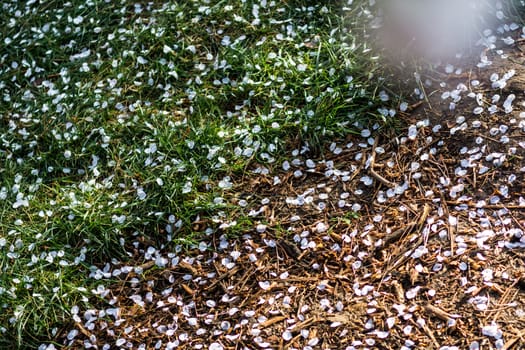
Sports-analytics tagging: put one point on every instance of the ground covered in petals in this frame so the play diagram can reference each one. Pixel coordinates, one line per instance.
(408, 241)
(248, 175)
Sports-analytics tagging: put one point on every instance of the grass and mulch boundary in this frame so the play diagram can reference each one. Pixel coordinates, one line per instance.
(122, 124)
(129, 136)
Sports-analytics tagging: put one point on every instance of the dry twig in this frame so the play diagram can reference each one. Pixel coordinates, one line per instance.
(373, 172)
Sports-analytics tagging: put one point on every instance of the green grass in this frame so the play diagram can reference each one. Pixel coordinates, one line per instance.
(120, 126)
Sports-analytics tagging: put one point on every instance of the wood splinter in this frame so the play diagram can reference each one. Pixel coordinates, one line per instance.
(441, 314)
(373, 173)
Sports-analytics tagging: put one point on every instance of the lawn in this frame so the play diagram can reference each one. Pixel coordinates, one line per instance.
(127, 128)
